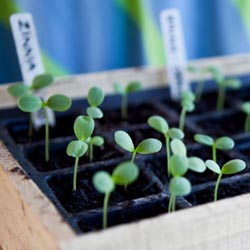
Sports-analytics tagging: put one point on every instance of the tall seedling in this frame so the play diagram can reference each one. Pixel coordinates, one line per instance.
(32, 103)
(124, 92)
(39, 82)
(124, 174)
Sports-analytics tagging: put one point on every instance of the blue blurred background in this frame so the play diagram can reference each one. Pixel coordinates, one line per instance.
(84, 36)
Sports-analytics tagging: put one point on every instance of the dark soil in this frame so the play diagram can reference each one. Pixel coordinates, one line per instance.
(19, 130)
(87, 198)
(205, 105)
(227, 124)
(59, 159)
(229, 187)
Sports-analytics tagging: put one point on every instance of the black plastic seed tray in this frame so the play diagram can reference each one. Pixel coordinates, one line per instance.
(149, 195)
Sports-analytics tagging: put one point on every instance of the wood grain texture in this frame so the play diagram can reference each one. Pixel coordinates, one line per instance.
(77, 86)
(28, 220)
(224, 225)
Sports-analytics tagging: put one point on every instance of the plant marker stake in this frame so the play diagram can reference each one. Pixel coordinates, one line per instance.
(175, 51)
(30, 61)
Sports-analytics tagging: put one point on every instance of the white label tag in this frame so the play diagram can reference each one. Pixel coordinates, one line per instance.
(29, 57)
(175, 51)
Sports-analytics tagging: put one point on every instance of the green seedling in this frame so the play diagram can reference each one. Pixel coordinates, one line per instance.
(231, 167)
(95, 99)
(123, 175)
(32, 103)
(39, 82)
(188, 105)
(179, 165)
(221, 143)
(83, 129)
(222, 83)
(97, 141)
(147, 146)
(161, 125)
(124, 92)
(245, 107)
(200, 85)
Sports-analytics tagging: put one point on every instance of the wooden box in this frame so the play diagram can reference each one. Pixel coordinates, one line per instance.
(29, 221)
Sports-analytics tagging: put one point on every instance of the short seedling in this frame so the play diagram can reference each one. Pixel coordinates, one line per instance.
(39, 82)
(179, 165)
(147, 146)
(124, 174)
(222, 83)
(32, 103)
(231, 167)
(161, 125)
(95, 99)
(97, 141)
(245, 107)
(83, 129)
(200, 85)
(124, 92)
(221, 143)
(187, 104)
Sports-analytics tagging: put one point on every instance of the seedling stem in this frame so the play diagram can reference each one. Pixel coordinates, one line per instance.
(217, 187)
(75, 173)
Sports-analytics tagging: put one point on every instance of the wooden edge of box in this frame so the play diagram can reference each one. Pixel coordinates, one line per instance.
(77, 86)
(29, 221)
(221, 225)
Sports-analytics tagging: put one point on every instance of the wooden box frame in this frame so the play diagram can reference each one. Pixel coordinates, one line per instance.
(29, 221)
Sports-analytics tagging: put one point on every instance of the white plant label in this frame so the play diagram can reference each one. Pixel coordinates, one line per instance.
(29, 57)
(175, 50)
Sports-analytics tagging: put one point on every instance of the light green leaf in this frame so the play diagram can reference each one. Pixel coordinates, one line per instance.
(246, 107)
(188, 96)
(94, 112)
(42, 81)
(95, 96)
(178, 165)
(196, 164)
(180, 186)
(233, 167)
(216, 73)
(125, 173)
(84, 127)
(59, 102)
(118, 88)
(18, 89)
(103, 182)
(232, 83)
(158, 123)
(133, 87)
(188, 105)
(76, 148)
(97, 141)
(224, 143)
(176, 133)
(29, 103)
(178, 147)
(149, 146)
(213, 166)
(204, 139)
(124, 140)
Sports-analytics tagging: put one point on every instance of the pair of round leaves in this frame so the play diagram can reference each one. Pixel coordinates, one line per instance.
(222, 143)
(39, 82)
(147, 146)
(160, 124)
(231, 167)
(131, 87)
(180, 163)
(32, 103)
(187, 100)
(95, 98)
(84, 127)
(124, 174)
